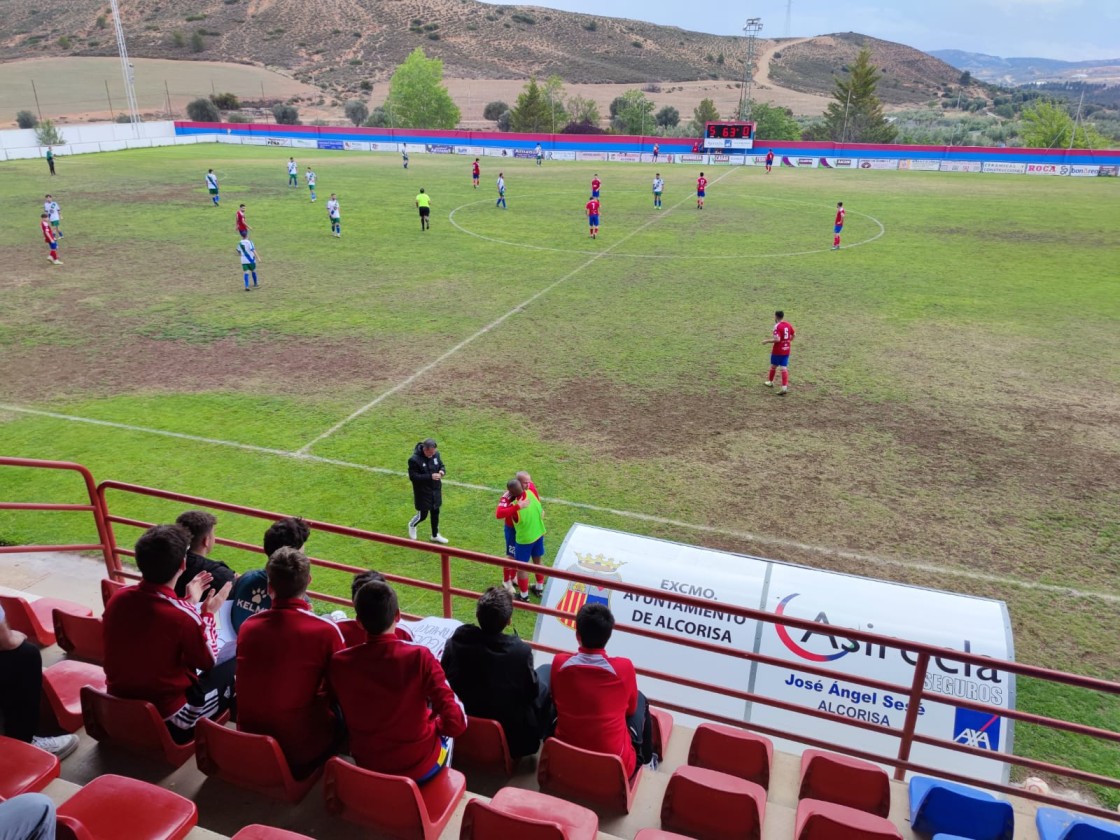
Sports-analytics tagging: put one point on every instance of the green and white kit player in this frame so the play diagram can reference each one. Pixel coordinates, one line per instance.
(335, 216)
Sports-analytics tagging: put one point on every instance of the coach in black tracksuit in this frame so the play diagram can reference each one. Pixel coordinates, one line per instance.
(426, 471)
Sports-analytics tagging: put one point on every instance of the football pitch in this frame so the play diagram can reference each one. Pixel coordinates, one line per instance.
(953, 417)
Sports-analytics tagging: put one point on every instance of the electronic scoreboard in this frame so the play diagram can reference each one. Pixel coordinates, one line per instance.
(729, 135)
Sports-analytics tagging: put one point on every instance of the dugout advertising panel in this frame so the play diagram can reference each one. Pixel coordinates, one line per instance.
(834, 601)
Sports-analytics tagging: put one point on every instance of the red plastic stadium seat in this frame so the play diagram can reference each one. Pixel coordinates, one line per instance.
(62, 686)
(597, 779)
(35, 617)
(731, 750)
(393, 805)
(134, 725)
(109, 587)
(846, 781)
(658, 834)
(353, 633)
(527, 815)
(484, 746)
(662, 730)
(710, 805)
(818, 820)
(81, 636)
(113, 807)
(25, 768)
(250, 761)
(267, 832)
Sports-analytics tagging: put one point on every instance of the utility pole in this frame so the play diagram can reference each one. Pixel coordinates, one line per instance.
(752, 28)
(789, 18)
(126, 69)
(112, 110)
(1073, 136)
(36, 95)
(167, 93)
(844, 131)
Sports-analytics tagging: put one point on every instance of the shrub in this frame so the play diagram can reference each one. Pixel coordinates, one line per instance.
(354, 62)
(356, 111)
(238, 117)
(652, 87)
(203, 110)
(582, 127)
(433, 36)
(494, 109)
(591, 26)
(504, 120)
(285, 114)
(226, 101)
(47, 135)
(197, 44)
(26, 119)
(523, 18)
(636, 43)
(64, 42)
(366, 85)
(122, 118)
(102, 22)
(378, 118)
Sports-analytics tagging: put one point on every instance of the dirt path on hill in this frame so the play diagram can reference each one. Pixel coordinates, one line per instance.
(773, 93)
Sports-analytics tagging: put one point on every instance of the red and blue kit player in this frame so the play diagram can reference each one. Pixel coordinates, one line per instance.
(242, 225)
(595, 184)
(779, 352)
(592, 209)
(512, 580)
(701, 188)
(475, 173)
(769, 160)
(838, 226)
(48, 237)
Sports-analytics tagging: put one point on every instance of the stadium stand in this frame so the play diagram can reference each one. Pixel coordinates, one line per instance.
(526, 815)
(818, 820)
(35, 617)
(81, 636)
(25, 768)
(249, 761)
(939, 807)
(483, 746)
(845, 781)
(710, 805)
(133, 725)
(732, 751)
(113, 807)
(1056, 824)
(62, 686)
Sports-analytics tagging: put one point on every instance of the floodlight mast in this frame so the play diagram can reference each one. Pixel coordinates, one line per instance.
(752, 28)
(126, 69)
(789, 18)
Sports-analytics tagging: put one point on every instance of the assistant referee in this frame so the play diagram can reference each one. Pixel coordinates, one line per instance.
(424, 202)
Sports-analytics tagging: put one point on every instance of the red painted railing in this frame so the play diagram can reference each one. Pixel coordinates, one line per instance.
(99, 507)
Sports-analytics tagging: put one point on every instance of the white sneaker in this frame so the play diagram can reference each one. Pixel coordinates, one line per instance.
(769, 383)
(508, 586)
(439, 538)
(59, 746)
(411, 531)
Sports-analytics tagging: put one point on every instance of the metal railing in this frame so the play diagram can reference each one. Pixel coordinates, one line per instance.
(915, 691)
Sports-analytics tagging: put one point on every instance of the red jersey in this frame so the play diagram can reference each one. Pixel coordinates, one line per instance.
(769, 157)
(474, 169)
(701, 183)
(593, 207)
(783, 331)
(507, 507)
(840, 216)
(155, 645)
(385, 688)
(48, 234)
(595, 184)
(241, 225)
(282, 658)
(594, 693)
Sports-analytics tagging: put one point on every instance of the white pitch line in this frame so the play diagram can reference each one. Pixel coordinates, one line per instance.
(404, 383)
(761, 539)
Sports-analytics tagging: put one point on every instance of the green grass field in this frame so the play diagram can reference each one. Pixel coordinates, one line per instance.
(953, 417)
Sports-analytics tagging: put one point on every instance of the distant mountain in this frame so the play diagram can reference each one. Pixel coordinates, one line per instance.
(1021, 71)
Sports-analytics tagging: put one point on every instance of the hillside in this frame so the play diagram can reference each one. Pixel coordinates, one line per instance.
(340, 44)
(1021, 71)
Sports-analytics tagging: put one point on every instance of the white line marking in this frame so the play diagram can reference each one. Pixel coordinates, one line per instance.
(761, 539)
(404, 383)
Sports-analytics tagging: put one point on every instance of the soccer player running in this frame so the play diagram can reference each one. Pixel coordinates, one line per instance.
(779, 352)
(658, 188)
(293, 173)
(476, 173)
(701, 188)
(838, 226)
(501, 202)
(212, 186)
(769, 160)
(310, 176)
(592, 210)
(242, 225)
(595, 184)
(49, 238)
(424, 204)
(335, 215)
(248, 254)
(50, 207)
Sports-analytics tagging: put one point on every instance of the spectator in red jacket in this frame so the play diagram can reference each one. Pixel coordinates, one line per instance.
(598, 705)
(352, 630)
(162, 648)
(395, 700)
(282, 658)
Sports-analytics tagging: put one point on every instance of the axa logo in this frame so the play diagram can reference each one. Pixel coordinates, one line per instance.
(977, 729)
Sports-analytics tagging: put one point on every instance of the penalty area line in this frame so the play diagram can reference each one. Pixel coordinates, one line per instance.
(747, 536)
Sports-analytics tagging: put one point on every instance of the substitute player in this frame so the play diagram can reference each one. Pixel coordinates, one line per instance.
(592, 209)
(701, 188)
(658, 188)
(476, 173)
(242, 225)
(335, 215)
(779, 352)
(595, 184)
(769, 160)
(248, 254)
(501, 202)
(51, 208)
(293, 173)
(424, 205)
(48, 237)
(212, 186)
(838, 226)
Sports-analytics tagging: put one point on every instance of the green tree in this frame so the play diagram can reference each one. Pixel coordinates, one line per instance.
(26, 119)
(774, 123)
(704, 113)
(617, 104)
(378, 118)
(285, 114)
(552, 92)
(856, 114)
(197, 43)
(203, 110)
(668, 117)
(531, 113)
(583, 110)
(47, 134)
(635, 114)
(356, 111)
(494, 109)
(417, 97)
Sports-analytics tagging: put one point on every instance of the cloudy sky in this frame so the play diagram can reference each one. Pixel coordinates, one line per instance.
(1067, 29)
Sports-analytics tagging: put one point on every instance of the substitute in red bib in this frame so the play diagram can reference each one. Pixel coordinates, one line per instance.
(779, 352)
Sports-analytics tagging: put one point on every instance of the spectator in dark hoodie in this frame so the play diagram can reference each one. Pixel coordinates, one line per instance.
(426, 471)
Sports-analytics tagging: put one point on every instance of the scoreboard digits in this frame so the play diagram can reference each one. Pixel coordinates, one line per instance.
(729, 135)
